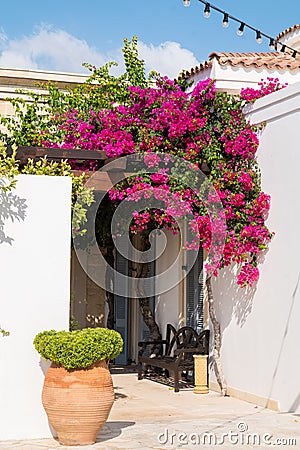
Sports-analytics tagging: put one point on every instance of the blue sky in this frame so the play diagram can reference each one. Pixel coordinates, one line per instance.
(61, 34)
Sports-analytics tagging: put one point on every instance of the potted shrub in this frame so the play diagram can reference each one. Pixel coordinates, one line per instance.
(78, 391)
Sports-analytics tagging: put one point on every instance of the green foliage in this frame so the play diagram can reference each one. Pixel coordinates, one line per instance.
(78, 348)
(21, 128)
(9, 168)
(73, 323)
(42, 114)
(82, 198)
(45, 167)
(183, 82)
(135, 67)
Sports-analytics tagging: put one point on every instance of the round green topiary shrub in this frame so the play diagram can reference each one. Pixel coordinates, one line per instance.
(79, 348)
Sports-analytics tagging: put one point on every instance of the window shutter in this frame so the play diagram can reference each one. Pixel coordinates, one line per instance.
(194, 294)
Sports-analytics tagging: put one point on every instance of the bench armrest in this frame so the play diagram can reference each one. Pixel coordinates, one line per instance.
(156, 346)
(144, 343)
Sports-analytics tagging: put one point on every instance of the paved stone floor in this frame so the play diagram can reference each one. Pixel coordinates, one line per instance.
(148, 415)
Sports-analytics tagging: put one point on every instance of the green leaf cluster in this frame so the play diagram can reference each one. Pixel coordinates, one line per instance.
(82, 198)
(78, 348)
(9, 168)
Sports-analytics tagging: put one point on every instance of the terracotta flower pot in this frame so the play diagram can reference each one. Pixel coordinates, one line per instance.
(78, 401)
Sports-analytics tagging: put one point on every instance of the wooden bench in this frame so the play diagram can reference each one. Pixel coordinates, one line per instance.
(175, 353)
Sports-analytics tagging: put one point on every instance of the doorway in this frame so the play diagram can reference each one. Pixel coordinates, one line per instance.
(128, 320)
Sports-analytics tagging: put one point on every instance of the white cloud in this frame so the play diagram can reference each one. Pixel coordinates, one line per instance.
(55, 49)
(168, 58)
(48, 49)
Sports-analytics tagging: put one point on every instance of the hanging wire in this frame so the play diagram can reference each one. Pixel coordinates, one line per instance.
(226, 16)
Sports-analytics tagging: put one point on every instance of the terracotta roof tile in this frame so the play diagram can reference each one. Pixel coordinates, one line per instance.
(194, 70)
(269, 60)
(287, 31)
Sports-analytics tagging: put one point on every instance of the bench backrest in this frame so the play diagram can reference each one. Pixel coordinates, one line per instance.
(186, 337)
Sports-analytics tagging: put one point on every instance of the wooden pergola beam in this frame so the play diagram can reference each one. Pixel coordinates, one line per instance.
(24, 153)
(101, 181)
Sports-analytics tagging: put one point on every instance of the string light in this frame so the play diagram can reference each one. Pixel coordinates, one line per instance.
(206, 12)
(240, 31)
(272, 44)
(283, 47)
(258, 37)
(243, 25)
(225, 21)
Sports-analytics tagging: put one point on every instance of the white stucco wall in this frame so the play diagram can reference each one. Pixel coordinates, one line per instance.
(34, 293)
(261, 326)
(233, 78)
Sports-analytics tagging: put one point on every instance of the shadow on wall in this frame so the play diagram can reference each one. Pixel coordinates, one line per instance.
(295, 404)
(232, 301)
(12, 208)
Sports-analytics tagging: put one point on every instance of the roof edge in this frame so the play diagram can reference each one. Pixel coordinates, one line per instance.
(287, 31)
(269, 60)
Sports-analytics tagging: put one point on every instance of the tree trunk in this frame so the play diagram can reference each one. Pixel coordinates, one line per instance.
(217, 339)
(141, 271)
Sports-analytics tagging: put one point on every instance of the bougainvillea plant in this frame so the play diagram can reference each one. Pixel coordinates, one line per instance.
(201, 126)
(265, 87)
(156, 117)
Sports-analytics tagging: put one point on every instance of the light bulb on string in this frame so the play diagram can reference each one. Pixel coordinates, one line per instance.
(225, 21)
(272, 44)
(258, 37)
(240, 30)
(186, 3)
(206, 12)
